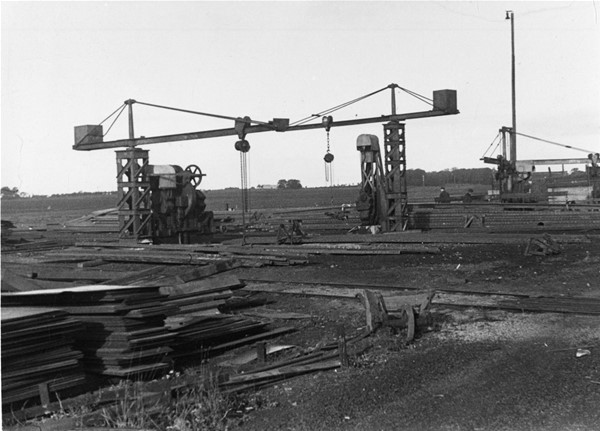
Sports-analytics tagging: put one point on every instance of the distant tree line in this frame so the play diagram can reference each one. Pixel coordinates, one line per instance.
(289, 184)
(420, 177)
(80, 193)
(8, 193)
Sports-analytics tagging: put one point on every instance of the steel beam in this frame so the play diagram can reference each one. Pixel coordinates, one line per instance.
(216, 133)
(555, 161)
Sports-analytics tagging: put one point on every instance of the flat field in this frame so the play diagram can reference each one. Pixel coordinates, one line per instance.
(38, 211)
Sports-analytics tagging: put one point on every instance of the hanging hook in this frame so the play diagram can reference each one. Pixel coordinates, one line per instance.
(327, 121)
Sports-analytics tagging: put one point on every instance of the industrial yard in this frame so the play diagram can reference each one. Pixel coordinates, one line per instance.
(359, 307)
(510, 339)
(216, 280)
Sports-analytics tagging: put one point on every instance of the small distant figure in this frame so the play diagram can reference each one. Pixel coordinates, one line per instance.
(468, 197)
(444, 197)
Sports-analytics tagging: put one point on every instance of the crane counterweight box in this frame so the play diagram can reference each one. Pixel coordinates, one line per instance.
(88, 134)
(445, 100)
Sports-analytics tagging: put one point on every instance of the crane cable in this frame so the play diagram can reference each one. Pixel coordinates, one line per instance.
(302, 121)
(336, 108)
(488, 149)
(553, 143)
(358, 99)
(206, 114)
(417, 96)
(121, 108)
(114, 112)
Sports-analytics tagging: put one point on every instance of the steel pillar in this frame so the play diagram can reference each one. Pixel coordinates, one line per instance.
(395, 176)
(134, 206)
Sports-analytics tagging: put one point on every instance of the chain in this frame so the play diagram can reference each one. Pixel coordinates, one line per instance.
(244, 181)
(328, 141)
(244, 184)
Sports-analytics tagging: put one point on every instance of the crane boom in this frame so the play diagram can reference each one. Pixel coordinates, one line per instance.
(444, 103)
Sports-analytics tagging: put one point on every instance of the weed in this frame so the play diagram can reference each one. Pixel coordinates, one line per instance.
(197, 405)
(132, 410)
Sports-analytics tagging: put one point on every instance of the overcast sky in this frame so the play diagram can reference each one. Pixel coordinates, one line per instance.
(72, 63)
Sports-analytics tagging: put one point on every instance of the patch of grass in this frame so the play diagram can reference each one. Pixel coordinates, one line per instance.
(132, 410)
(201, 406)
(196, 404)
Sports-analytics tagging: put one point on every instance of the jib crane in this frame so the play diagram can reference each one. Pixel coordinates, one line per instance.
(513, 175)
(383, 189)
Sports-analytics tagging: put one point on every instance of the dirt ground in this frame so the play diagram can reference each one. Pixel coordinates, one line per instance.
(473, 369)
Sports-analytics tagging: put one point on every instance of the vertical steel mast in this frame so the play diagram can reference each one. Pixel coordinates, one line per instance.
(513, 136)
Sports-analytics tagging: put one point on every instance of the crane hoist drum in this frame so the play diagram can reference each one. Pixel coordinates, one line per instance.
(178, 208)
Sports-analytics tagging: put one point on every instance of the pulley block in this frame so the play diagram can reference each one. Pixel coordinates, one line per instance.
(328, 158)
(242, 145)
(327, 121)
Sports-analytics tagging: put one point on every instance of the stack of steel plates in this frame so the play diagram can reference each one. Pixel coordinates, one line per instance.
(38, 357)
(198, 335)
(124, 326)
(198, 324)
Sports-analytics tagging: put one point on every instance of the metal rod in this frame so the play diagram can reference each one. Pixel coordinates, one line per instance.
(206, 114)
(513, 135)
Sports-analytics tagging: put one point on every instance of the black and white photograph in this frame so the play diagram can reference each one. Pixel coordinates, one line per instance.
(300, 215)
